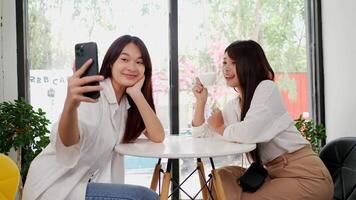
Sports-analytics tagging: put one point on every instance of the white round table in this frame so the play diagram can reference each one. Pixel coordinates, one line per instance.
(176, 147)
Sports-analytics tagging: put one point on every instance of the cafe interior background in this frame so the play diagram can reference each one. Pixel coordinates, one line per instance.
(311, 46)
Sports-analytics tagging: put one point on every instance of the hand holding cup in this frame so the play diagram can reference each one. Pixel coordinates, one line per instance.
(207, 78)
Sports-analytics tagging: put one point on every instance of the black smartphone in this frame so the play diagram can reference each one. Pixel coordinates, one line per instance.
(83, 52)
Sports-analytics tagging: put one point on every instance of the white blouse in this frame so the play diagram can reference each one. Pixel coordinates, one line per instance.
(61, 172)
(266, 123)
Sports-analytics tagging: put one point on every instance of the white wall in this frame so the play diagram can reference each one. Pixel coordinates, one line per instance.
(8, 58)
(1, 56)
(339, 43)
(8, 66)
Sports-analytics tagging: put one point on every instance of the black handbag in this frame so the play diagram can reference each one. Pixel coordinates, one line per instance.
(253, 178)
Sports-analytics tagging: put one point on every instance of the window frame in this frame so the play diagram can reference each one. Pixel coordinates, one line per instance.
(315, 61)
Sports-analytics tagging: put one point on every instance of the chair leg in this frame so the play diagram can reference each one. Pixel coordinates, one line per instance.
(202, 179)
(165, 186)
(218, 185)
(155, 177)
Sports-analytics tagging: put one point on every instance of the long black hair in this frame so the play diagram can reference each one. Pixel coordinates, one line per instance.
(252, 67)
(134, 123)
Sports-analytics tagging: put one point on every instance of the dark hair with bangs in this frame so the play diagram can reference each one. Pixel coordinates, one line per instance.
(134, 123)
(252, 67)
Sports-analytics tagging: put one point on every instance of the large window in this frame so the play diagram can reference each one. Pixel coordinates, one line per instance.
(205, 28)
(56, 26)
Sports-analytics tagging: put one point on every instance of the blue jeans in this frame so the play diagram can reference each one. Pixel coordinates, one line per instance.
(107, 191)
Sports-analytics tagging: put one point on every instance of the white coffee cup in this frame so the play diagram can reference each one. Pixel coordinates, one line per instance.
(207, 78)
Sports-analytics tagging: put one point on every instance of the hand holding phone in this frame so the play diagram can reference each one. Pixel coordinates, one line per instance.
(84, 52)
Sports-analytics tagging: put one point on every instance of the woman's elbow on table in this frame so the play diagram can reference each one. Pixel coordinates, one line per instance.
(159, 139)
(156, 137)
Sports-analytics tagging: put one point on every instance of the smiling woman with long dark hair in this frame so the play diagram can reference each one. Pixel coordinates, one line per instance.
(80, 161)
(258, 115)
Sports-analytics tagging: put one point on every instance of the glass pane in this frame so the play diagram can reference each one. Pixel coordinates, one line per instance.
(56, 26)
(207, 27)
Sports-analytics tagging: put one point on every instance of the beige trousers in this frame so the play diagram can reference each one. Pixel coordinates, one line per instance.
(300, 175)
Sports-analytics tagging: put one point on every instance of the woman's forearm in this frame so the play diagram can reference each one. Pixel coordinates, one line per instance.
(68, 127)
(153, 125)
(199, 118)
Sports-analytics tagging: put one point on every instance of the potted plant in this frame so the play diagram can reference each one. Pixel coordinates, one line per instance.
(25, 130)
(313, 132)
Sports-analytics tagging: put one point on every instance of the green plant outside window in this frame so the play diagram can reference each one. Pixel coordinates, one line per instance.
(313, 132)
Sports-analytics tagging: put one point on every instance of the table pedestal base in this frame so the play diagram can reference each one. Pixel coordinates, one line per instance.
(167, 179)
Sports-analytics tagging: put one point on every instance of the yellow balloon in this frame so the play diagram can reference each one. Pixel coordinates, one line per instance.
(9, 178)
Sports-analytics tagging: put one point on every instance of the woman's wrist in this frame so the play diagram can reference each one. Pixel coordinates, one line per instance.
(200, 103)
(135, 95)
(70, 107)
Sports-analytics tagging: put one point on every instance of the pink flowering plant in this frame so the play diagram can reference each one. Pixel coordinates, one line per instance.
(190, 66)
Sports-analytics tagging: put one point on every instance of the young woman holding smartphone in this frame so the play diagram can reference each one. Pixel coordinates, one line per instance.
(80, 162)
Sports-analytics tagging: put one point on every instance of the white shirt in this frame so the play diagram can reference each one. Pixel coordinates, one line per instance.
(267, 123)
(60, 172)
